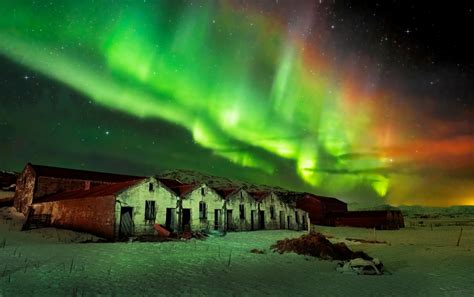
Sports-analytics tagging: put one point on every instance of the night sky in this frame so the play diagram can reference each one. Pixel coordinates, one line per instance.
(368, 102)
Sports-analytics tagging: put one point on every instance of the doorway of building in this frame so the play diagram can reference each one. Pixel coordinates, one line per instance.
(186, 219)
(229, 223)
(282, 219)
(252, 220)
(288, 220)
(170, 218)
(217, 219)
(126, 221)
(261, 219)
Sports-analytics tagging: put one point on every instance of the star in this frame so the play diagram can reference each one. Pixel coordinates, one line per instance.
(107, 132)
(26, 77)
(408, 31)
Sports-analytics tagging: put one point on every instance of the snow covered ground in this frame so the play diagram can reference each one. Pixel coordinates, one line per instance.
(422, 262)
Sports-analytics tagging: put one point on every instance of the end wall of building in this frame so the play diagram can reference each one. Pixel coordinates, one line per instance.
(93, 215)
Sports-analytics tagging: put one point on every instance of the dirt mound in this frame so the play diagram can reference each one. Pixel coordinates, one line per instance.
(317, 245)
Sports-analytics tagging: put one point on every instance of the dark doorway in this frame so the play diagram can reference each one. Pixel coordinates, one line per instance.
(170, 218)
(186, 217)
(252, 220)
(261, 219)
(229, 222)
(217, 219)
(282, 220)
(126, 221)
(288, 220)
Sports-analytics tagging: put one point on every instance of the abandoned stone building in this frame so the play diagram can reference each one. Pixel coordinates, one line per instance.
(37, 181)
(116, 206)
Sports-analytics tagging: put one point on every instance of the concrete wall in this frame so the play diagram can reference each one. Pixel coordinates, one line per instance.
(136, 196)
(25, 187)
(93, 215)
(213, 202)
(281, 212)
(233, 203)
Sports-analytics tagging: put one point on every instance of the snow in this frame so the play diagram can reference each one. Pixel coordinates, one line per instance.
(422, 262)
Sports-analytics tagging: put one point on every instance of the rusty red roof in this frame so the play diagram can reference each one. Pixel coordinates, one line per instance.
(170, 183)
(98, 191)
(225, 192)
(259, 195)
(182, 189)
(49, 171)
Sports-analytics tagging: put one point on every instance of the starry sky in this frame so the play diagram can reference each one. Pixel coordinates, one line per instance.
(370, 102)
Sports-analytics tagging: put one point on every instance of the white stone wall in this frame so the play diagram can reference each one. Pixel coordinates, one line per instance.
(233, 203)
(281, 212)
(213, 201)
(137, 195)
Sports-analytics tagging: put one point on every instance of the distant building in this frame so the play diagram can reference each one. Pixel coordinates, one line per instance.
(379, 219)
(318, 207)
(37, 181)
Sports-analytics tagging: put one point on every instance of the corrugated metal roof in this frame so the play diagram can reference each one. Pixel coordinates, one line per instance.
(98, 191)
(59, 172)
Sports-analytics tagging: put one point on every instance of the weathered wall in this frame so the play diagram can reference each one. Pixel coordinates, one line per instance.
(25, 187)
(303, 219)
(280, 209)
(94, 215)
(213, 201)
(137, 195)
(233, 202)
(368, 219)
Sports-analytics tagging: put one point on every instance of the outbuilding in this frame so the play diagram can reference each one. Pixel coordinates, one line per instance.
(318, 207)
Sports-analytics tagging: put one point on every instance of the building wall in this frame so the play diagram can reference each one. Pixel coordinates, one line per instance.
(280, 208)
(314, 209)
(93, 215)
(303, 219)
(368, 219)
(318, 209)
(233, 203)
(137, 195)
(213, 202)
(25, 187)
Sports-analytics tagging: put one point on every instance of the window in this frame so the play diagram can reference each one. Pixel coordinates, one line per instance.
(242, 211)
(202, 192)
(150, 187)
(150, 211)
(272, 212)
(202, 210)
(297, 218)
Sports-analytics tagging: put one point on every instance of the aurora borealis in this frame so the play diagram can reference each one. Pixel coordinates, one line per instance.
(249, 90)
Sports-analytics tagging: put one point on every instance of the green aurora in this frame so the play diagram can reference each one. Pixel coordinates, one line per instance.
(243, 87)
